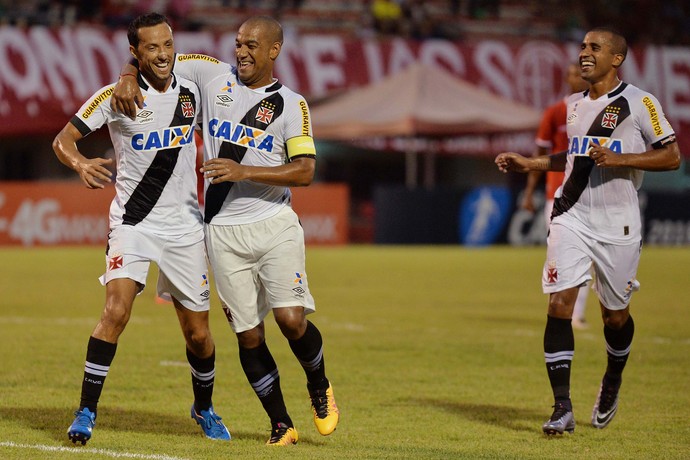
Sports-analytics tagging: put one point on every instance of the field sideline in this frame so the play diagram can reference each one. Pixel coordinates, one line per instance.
(434, 353)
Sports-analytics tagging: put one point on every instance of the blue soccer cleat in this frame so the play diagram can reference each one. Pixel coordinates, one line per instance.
(212, 424)
(82, 426)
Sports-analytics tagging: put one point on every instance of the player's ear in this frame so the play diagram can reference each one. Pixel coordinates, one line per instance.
(618, 59)
(133, 52)
(275, 50)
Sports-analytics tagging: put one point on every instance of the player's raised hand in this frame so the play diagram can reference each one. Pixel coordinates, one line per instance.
(127, 96)
(511, 161)
(93, 172)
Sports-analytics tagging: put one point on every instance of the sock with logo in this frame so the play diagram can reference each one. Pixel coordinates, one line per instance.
(262, 374)
(618, 344)
(99, 356)
(559, 348)
(203, 376)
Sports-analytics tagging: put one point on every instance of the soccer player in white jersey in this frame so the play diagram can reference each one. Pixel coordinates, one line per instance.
(258, 143)
(616, 132)
(154, 217)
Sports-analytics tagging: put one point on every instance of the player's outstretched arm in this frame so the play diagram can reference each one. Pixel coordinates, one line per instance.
(127, 95)
(92, 171)
(511, 161)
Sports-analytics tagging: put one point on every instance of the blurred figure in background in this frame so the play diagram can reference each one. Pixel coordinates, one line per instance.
(551, 138)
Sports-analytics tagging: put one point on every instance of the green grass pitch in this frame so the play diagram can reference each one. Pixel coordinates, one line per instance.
(433, 352)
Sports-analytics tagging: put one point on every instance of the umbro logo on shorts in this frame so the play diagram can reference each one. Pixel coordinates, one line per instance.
(205, 294)
(299, 291)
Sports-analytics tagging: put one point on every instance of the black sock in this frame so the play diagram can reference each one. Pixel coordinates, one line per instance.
(262, 373)
(559, 347)
(309, 351)
(618, 343)
(99, 356)
(203, 376)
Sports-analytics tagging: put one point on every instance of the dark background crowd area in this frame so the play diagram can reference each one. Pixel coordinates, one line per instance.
(641, 21)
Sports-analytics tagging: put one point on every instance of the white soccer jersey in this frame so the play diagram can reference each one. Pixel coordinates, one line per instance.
(601, 203)
(259, 127)
(155, 154)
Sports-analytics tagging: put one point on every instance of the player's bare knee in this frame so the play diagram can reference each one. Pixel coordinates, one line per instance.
(615, 319)
(292, 323)
(251, 338)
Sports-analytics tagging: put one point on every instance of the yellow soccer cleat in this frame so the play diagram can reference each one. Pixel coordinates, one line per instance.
(283, 435)
(326, 413)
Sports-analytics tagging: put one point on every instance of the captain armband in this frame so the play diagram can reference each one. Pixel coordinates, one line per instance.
(300, 146)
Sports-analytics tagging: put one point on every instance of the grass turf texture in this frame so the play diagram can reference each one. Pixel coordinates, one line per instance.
(434, 352)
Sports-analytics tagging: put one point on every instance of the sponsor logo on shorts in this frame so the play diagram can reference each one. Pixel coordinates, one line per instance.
(226, 310)
(551, 272)
(298, 278)
(204, 280)
(114, 262)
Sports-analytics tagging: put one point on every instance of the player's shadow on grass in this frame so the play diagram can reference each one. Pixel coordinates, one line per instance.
(512, 418)
(55, 421)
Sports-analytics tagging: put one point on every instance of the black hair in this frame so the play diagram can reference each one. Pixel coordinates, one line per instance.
(618, 43)
(145, 20)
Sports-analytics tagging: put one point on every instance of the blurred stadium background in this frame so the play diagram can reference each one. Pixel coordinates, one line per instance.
(410, 103)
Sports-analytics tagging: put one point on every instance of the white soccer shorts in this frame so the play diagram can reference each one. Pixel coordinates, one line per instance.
(181, 260)
(570, 256)
(258, 267)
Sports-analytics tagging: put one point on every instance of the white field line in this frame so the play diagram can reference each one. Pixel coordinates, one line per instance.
(86, 450)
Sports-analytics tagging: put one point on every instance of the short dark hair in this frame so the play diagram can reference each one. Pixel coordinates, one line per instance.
(618, 43)
(145, 20)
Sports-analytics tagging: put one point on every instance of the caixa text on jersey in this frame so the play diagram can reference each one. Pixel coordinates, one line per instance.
(243, 135)
(175, 136)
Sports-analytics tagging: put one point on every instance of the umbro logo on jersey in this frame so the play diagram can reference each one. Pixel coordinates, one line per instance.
(239, 134)
(223, 100)
(145, 116)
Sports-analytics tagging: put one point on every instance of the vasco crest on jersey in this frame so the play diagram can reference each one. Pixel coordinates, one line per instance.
(264, 113)
(187, 106)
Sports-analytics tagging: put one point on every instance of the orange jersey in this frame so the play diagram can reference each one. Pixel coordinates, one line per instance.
(552, 136)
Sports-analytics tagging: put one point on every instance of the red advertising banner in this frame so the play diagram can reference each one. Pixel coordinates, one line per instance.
(53, 213)
(46, 74)
(62, 213)
(324, 212)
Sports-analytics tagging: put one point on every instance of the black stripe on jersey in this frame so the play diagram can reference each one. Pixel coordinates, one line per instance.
(582, 166)
(150, 187)
(81, 126)
(216, 193)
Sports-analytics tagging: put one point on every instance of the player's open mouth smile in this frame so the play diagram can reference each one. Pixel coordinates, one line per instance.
(586, 65)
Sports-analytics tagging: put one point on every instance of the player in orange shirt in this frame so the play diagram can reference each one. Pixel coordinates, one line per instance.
(552, 137)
